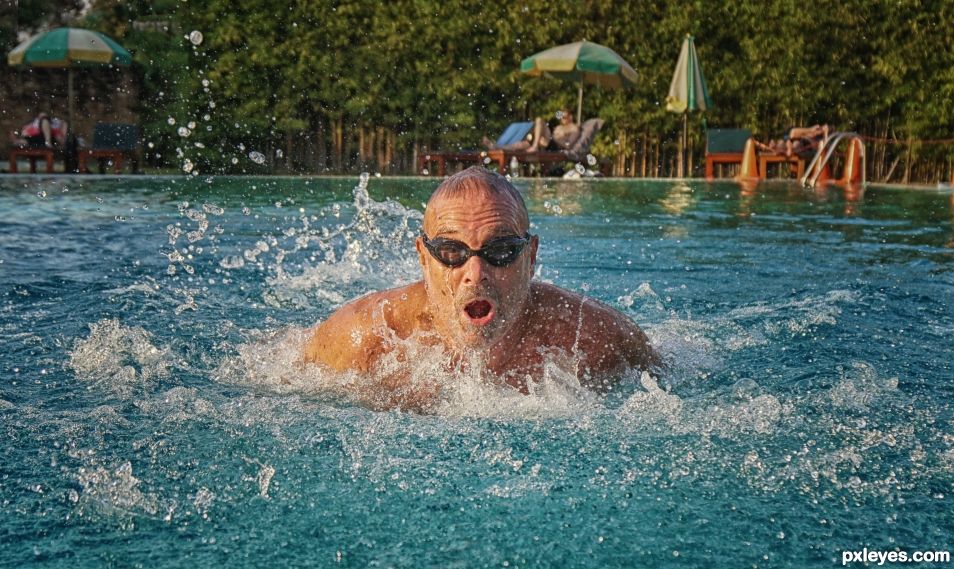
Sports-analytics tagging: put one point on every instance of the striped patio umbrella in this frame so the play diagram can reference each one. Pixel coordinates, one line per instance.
(69, 48)
(687, 92)
(581, 62)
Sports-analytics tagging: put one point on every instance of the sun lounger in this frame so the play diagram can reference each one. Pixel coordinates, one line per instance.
(503, 157)
(514, 132)
(577, 153)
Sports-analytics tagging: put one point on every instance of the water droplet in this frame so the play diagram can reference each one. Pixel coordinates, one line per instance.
(591, 160)
(184, 132)
(171, 121)
(580, 168)
(195, 37)
(257, 157)
(234, 160)
(187, 166)
(191, 124)
(41, 194)
(205, 82)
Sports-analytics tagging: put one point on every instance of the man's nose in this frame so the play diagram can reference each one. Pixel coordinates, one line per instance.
(475, 270)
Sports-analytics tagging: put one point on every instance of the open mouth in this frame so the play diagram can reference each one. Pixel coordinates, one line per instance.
(479, 311)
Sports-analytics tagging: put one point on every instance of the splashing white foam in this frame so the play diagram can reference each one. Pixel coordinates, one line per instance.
(113, 493)
(432, 384)
(118, 358)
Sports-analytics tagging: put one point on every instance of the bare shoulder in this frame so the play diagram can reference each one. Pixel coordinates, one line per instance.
(607, 340)
(352, 337)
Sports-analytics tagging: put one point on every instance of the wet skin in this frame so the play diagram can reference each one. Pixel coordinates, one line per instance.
(477, 310)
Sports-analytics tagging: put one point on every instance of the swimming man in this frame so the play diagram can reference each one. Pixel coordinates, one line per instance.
(477, 301)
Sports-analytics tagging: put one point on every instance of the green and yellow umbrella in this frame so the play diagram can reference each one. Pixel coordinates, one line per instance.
(688, 91)
(581, 62)
(69, 48)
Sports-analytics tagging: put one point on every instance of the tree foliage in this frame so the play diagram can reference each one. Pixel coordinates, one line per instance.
(349, 78)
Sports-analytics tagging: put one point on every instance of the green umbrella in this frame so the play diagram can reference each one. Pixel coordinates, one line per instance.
(688, 91)
(69, 48)
(582, 62)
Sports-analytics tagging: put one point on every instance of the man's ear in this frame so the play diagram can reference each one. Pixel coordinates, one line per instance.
(421, 251)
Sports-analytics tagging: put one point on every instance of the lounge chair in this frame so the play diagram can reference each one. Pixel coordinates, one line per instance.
(111, 142)
(725, 146)
(514, 132)
(576, 153)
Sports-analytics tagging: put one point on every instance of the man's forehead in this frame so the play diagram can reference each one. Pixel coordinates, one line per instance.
(445, 208)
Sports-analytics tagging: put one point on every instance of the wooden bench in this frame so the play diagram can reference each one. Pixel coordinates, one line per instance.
(797, 164)
(498, 156)
(440, 159)
(116, 156)
(543, 158)
(32, 154)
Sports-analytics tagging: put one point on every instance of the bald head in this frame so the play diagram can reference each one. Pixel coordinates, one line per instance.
(479, 181)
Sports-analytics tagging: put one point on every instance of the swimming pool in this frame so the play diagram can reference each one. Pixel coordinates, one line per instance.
(152, 415)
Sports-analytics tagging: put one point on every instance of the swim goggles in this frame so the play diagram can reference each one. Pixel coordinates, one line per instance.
(499, 252)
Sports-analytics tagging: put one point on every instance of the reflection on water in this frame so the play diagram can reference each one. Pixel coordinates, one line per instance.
(152, 392)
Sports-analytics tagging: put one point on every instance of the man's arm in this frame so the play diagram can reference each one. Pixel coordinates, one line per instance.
(346, 340)
(355, 338)
(612, 345)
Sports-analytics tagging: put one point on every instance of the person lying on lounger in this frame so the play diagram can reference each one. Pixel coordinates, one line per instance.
(563, 136)
(41, 131)
(799, 140)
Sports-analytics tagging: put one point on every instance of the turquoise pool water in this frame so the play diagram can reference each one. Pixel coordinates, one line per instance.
(152, 415)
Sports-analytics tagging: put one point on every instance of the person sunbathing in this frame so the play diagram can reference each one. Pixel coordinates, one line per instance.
(798, 141)
(41, 131)
(562, 137)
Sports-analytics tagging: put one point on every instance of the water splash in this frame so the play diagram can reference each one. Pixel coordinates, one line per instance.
(112, 493)
(120, 359)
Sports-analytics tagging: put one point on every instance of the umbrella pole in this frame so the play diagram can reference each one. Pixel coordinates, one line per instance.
(579, 105)
(685, 145)
(69, 100)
